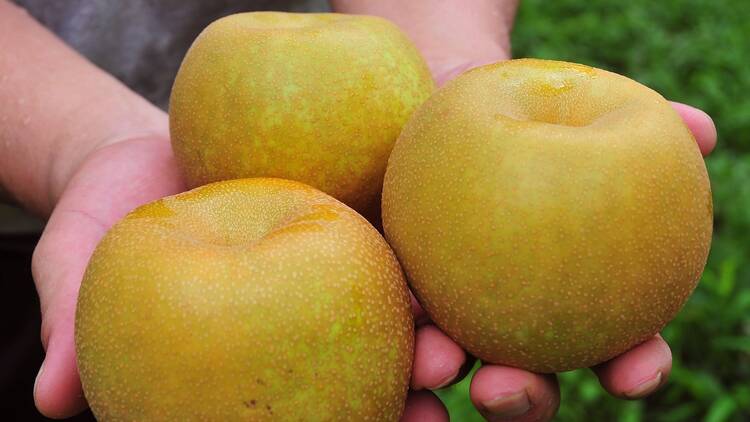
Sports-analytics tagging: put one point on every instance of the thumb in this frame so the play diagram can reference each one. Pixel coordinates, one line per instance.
(700, 124)
(111, 183)
(58, 265)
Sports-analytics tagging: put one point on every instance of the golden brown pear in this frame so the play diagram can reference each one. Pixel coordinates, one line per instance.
(548, 215)
(251, 300)
(318, 98)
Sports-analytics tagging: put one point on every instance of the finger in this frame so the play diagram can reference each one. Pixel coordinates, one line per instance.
(437, 359)
(424, 406)
(468, 365)
(700, 124)
(637, 372)
(503, 393)
(58, 264)
(101, 193)
(420, 316)
(447, 71)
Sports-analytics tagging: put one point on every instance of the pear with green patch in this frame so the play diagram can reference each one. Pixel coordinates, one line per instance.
(317, 98)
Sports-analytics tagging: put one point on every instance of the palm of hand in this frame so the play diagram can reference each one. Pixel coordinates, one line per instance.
(111, 182)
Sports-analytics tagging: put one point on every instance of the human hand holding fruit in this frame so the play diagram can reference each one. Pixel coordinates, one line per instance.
(146, 170)
(493, 190)
(86, 210)
(501, 392)
(109, 183)
(85, 194)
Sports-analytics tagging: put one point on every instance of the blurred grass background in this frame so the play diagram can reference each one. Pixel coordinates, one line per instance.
(696, 52)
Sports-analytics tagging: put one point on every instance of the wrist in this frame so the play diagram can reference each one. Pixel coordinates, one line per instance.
(449, 33)
(95, 126)
(57, 108)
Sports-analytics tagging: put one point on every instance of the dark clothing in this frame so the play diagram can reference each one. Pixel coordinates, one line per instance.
(141, 42)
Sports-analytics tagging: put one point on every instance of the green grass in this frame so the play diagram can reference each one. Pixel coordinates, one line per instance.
(697, 52)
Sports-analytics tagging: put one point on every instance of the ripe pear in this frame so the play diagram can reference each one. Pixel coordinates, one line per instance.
(252, 300)
(548, 215)
(318, 98)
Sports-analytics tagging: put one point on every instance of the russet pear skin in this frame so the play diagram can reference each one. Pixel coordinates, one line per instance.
(252, 300)
(548, 215)
(318, 98)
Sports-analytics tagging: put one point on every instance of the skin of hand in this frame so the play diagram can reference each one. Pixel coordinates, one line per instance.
(110, 182)
(96, 151)
(80, 148)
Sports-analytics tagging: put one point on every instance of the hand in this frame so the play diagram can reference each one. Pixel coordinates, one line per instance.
(506, 393)
(109, 183)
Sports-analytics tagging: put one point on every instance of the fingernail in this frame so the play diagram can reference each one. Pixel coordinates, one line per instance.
(646, 387)
(38, 375)
(445, 381)
(508, 406)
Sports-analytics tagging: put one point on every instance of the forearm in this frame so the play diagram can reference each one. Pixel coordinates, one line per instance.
(446, 28)
(55, 108)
